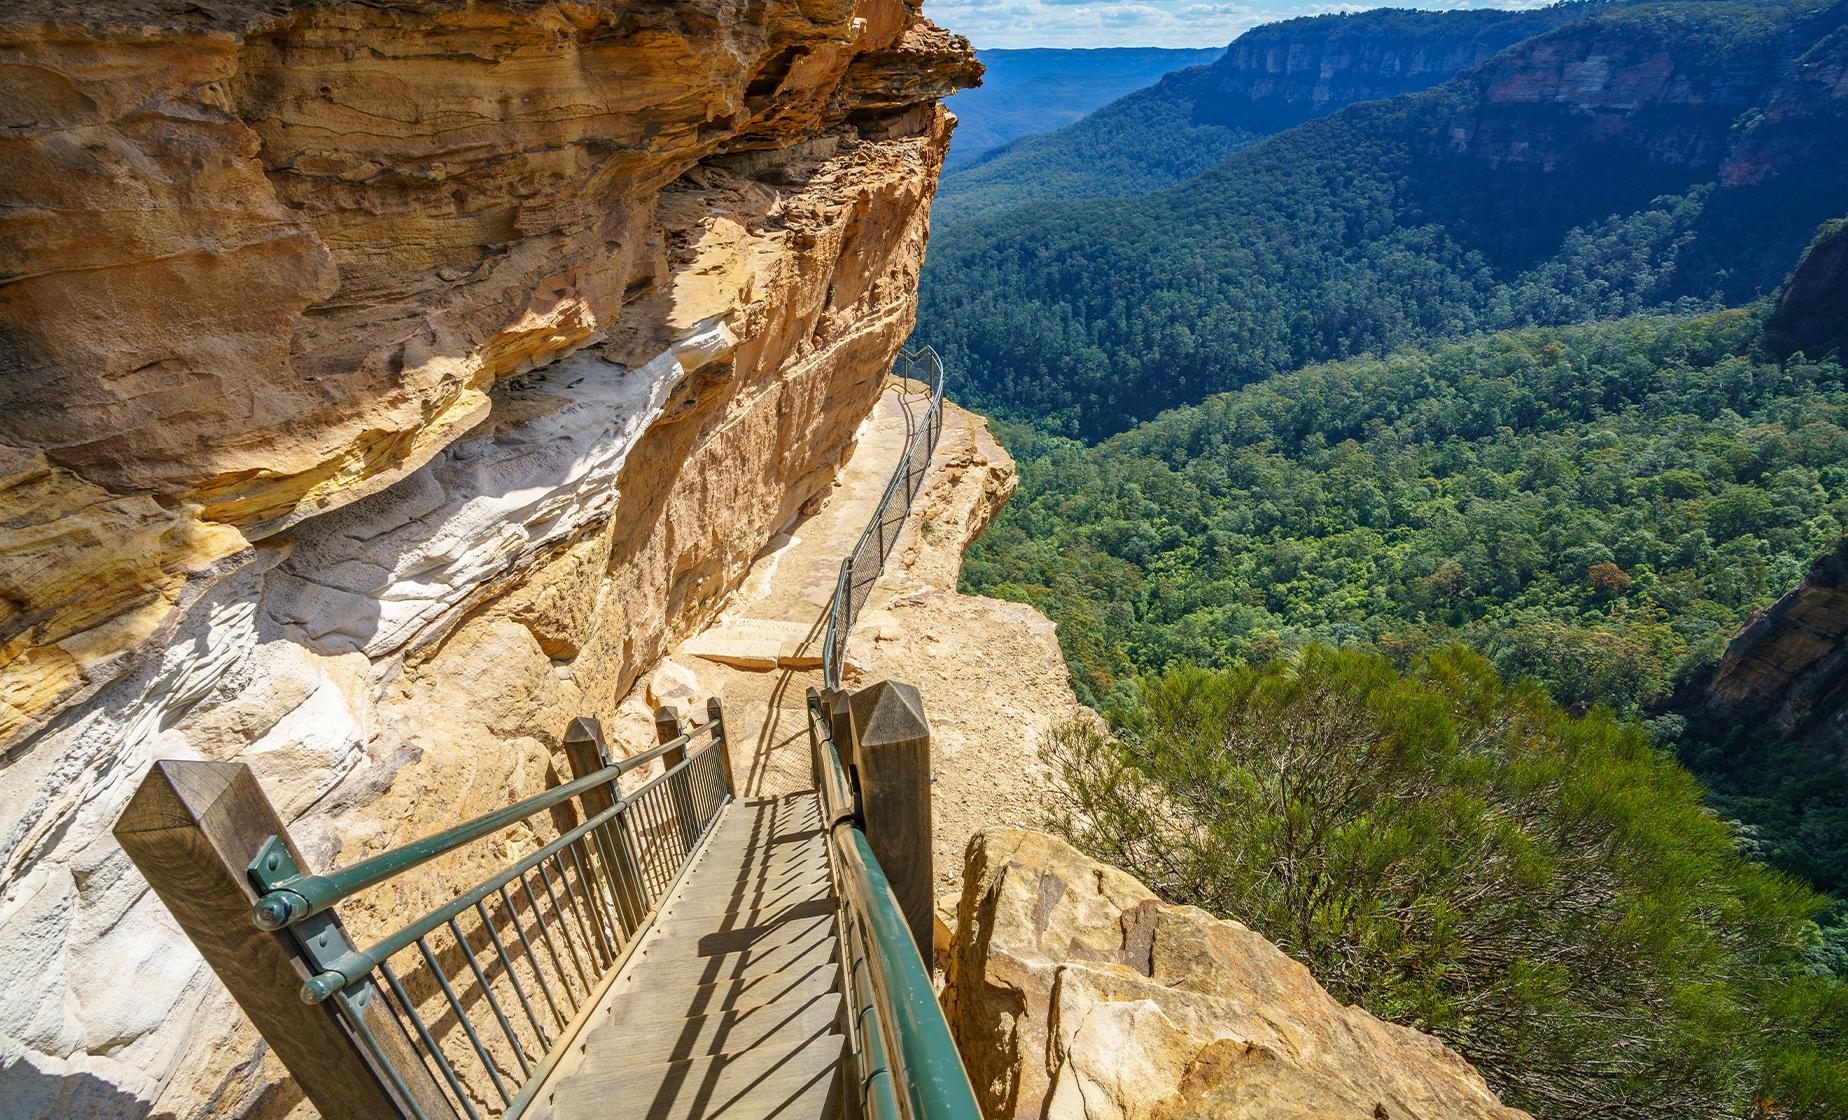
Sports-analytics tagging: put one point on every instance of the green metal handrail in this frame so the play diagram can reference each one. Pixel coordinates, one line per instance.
(909, 1066)
(867, 558)
(292, 899)
(351, 965)
(588, 894)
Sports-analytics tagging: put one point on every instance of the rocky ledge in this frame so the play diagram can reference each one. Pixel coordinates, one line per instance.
(1076, 994)
(1787, 669)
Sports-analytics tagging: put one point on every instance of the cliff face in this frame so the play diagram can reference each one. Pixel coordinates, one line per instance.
(1812, 310)
(382, 385)
(1281, 74)
(1747, 97)
(1787, 670)
(1075, 992)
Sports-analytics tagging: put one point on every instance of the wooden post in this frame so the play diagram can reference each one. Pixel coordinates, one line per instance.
(667, 729)
(892, 748)
(715, 715)
(193, 829)
(834, 704)
(587, 752)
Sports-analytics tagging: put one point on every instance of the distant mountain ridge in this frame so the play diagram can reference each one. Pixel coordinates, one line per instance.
(1269, 79)
(1648, 156)
(1040, 89)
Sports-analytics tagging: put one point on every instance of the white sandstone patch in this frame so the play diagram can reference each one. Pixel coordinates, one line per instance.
(379, 573)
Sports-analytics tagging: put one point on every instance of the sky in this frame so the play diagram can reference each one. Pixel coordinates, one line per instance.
(1143, 23)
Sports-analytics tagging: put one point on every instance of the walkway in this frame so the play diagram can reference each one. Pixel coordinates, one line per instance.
(762, 655)
(731, 1006)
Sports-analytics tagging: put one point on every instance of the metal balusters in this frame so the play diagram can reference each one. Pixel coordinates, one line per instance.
(513, 915)
(573, 910)
(513, 976)
(468, 1025)
(598, 907)
(612, 870)
(487, 991)
(551, 947)
(429, 1043)
(863, 564)
(560, 919)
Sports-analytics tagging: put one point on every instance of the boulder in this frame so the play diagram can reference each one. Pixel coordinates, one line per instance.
(1076, 994)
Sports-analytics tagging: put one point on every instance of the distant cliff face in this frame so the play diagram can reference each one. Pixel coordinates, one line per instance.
(1285, 73)
(1674, 87)
(1812, 310)
(1270, 79)
(1787, 670)
(382, 385)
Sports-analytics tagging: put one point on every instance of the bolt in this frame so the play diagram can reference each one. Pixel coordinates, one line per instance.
(270, 913)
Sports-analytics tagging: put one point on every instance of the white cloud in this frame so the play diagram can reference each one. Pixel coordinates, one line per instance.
(1144, 23)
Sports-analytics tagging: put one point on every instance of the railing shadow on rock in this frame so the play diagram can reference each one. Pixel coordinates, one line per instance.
(465, 1009)
(861, 568)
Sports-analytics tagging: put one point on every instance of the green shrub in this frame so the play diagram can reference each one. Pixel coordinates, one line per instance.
(1541, 890)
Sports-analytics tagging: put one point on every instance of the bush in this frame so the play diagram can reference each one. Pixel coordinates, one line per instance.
(1541, 890)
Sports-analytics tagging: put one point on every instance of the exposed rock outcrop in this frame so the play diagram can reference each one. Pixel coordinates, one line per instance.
(1787, 670)
(367, 420)
(1076, 994)
(1281, 74)
(1749, 101)
(1812, 311)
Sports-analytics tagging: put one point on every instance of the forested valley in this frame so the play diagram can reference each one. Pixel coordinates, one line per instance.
(1402, 477)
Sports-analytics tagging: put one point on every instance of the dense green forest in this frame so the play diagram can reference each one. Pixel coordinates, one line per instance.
(1369, 229)
(1543, 891)
(1598, 507)
(1190, 120)
(1143, 142)
(1393, 482)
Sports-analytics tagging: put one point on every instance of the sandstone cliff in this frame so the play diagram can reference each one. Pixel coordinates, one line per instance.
(1739, 93)
(382, 385)
(1812, 311)
(1284, 73)
(1787, 670)
(1076, 994)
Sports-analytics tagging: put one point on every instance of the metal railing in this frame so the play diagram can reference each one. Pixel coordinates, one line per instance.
(549, 930)
(906, 1061)
(863, 564)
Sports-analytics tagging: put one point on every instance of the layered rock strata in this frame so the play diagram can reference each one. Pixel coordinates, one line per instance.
(1765, 99)
(381, 386)
(1787, 670)
(1076, 994)
(1284, 73)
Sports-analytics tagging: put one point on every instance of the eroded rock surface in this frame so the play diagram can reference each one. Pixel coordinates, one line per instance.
(1787, 669)
(1076, 994)
(385, 385)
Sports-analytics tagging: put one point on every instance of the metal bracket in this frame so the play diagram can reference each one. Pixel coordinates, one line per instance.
(319, 937)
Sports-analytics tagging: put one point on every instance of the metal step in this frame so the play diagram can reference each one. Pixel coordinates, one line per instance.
(732, 949)
(732, 1006)
(788, 1083)
(648, 1033)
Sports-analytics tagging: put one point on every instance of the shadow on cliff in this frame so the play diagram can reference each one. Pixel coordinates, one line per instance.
(29, 1093)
